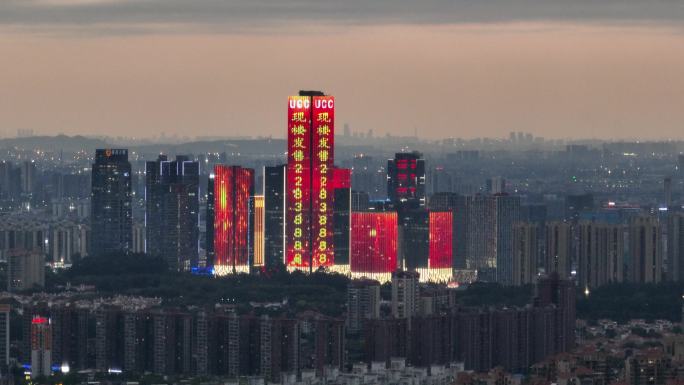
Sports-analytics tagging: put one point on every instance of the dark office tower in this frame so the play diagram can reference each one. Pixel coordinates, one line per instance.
(111, 217)
(558, 249)
(414, 239)
(360, 201)
(342, 217)
(274, 212)
(645, 250)
(575, 204)
(455, 203)
(233, 227)
(209, 223)
(507, 213)
(675, 246)
(406, 180)
(481, 236)
(172, 211)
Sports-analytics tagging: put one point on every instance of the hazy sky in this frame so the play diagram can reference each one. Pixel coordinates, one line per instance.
(459, 68)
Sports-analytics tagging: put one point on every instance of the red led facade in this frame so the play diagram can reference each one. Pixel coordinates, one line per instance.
(298, 224)
(441, 240)
(233, 187)
(342, 178)
(374, 242)
(310, 191)
(323, 189)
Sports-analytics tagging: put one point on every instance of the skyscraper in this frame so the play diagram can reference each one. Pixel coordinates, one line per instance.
(310, 194)
(405, 293)
(209, 223)
(525, 253)
(363, 303)
(5, 336)
(454, 203)
(558, 249)
(172, 211)
(645, 249)
(406, 180)
(41, 347)
(675, 246)
(507, 213)
(342, 217)
(601, 252)
(374, 244)
(233, 224)
(25, 269)
(274, 212)
(111, 217)
(258, 220)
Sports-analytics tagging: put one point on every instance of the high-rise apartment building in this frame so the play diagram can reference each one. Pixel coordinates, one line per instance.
(310, 194)
(274, 212)
(558, 256)
(507, 213)
(645, 249)
(172, 211)
(4, 337)
(405, 293)
(25, 269)
(233, 219)
(600, 253)
(110, 202)
(363, 303)
(675, 246)
(406, 180)
(525, 253)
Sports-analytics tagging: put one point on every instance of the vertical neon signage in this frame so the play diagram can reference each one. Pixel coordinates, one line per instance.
(298, 225)
(323, 126)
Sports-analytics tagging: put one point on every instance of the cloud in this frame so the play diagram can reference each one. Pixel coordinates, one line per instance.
(135, 15)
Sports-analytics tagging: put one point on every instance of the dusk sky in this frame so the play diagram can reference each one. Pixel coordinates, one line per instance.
(459, 68)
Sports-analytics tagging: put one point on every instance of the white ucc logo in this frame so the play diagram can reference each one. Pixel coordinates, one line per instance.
(323, 103)
(300, 103)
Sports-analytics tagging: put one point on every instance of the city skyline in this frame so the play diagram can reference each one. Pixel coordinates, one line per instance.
(99, 67)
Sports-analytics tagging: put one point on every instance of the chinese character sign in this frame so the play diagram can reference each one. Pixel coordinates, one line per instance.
(298, 182)
(323, 118)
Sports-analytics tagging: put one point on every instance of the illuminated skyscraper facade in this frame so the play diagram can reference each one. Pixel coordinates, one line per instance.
(233, 226)
(310, 196)
(374, 244)
(259, 218)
